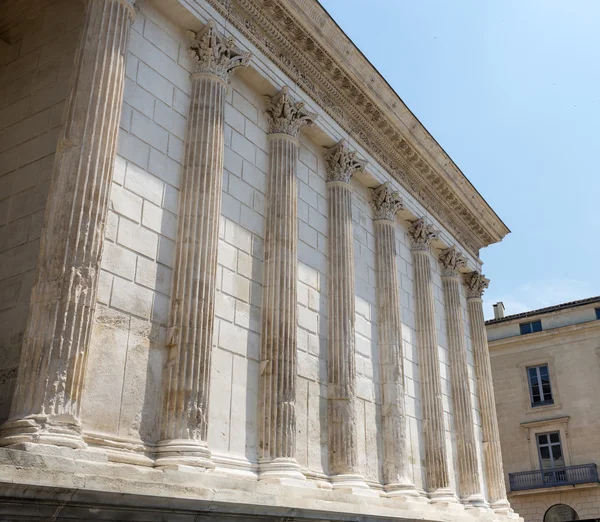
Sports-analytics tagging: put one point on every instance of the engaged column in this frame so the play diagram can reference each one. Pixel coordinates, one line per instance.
(277, 381)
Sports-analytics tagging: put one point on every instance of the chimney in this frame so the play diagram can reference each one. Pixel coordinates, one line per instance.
(499, 310)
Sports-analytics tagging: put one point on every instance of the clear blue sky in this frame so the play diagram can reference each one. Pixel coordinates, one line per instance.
(511, 90)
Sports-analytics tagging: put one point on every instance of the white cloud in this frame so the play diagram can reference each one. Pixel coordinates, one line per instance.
(537, 294)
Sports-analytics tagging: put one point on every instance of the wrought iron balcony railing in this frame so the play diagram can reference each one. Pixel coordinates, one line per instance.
(549, 478)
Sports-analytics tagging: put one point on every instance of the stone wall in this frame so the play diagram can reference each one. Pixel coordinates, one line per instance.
(34, 81)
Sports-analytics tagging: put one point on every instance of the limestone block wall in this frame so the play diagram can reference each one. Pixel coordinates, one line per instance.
(34, 80)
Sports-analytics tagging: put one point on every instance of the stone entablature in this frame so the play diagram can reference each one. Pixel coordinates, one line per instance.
(334, 73)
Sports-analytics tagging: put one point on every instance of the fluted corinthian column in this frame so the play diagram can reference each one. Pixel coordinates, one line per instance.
(47, 399)
(492, 457)
(277, 417)
(469, 486)
(436, 460)
(341, 164)
(184, 423)
(386, 203)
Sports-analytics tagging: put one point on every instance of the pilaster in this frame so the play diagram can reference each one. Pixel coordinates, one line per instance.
(47, 399)
(277, 381)
(476, 284)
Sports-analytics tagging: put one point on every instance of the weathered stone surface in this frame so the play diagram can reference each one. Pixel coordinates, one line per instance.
(47, 398)
(341, 354)
(184, 426)
(277, 416)
(492, 456)
(385, 204)
(469, 486)
(436, 459)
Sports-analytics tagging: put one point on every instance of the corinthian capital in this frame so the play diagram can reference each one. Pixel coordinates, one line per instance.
(476, 284)
(341, 163)
(286, 116)
(386, 202)
(451, 260)
(421, 234)
(213, 53)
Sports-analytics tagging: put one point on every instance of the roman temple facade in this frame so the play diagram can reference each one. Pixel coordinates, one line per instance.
(239, 280)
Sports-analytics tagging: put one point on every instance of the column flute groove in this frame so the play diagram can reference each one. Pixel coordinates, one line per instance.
(341, 164)
(184, 422)
(47, 399)
(492, 457)
(396, 474)
(469, 485)
(277, 380)
(436, 459)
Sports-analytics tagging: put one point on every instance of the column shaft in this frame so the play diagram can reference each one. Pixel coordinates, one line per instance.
(278, 348)
(396, 471)
(277, 381)
(185, 414)
(494, 473)
(47, 398)
(341, 360)
(467, 465)
(436, 464)
(184, 423)
(436, 459)
(395, 444)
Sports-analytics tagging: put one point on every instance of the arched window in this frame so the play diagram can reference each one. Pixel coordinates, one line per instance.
(560, 513)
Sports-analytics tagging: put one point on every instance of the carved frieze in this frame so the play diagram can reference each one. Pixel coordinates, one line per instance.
(285, 116)
(213, 53)
(386, 202)
(421, 234)
(452, 261)
(476, 284)
(341, 163)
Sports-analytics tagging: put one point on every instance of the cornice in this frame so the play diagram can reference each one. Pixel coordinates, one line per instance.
(302, 39)
(535, 341)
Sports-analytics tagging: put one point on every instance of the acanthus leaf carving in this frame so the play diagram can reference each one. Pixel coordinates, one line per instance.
(341, 163)
(452, 261)
(386, 202)
(285, 116)
(476, 284)
(215, 54)
(421, 234)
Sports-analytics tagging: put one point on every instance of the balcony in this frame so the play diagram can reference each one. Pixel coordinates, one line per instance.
(551, 478)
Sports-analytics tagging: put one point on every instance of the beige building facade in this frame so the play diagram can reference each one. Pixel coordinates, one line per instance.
(238, 278)
(546, 368)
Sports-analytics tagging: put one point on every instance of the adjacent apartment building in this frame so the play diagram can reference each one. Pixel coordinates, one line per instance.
(239, 280)
(546, 368)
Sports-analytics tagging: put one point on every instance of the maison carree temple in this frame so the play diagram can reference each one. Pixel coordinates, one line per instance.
(239, 280)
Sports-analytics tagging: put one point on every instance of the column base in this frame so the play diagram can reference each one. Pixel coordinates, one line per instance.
(501, 506)
(403, 491)
(352, 483)
(175, 453)
(476, 501)
(54, 430)
(281, 470)
(442, 495)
